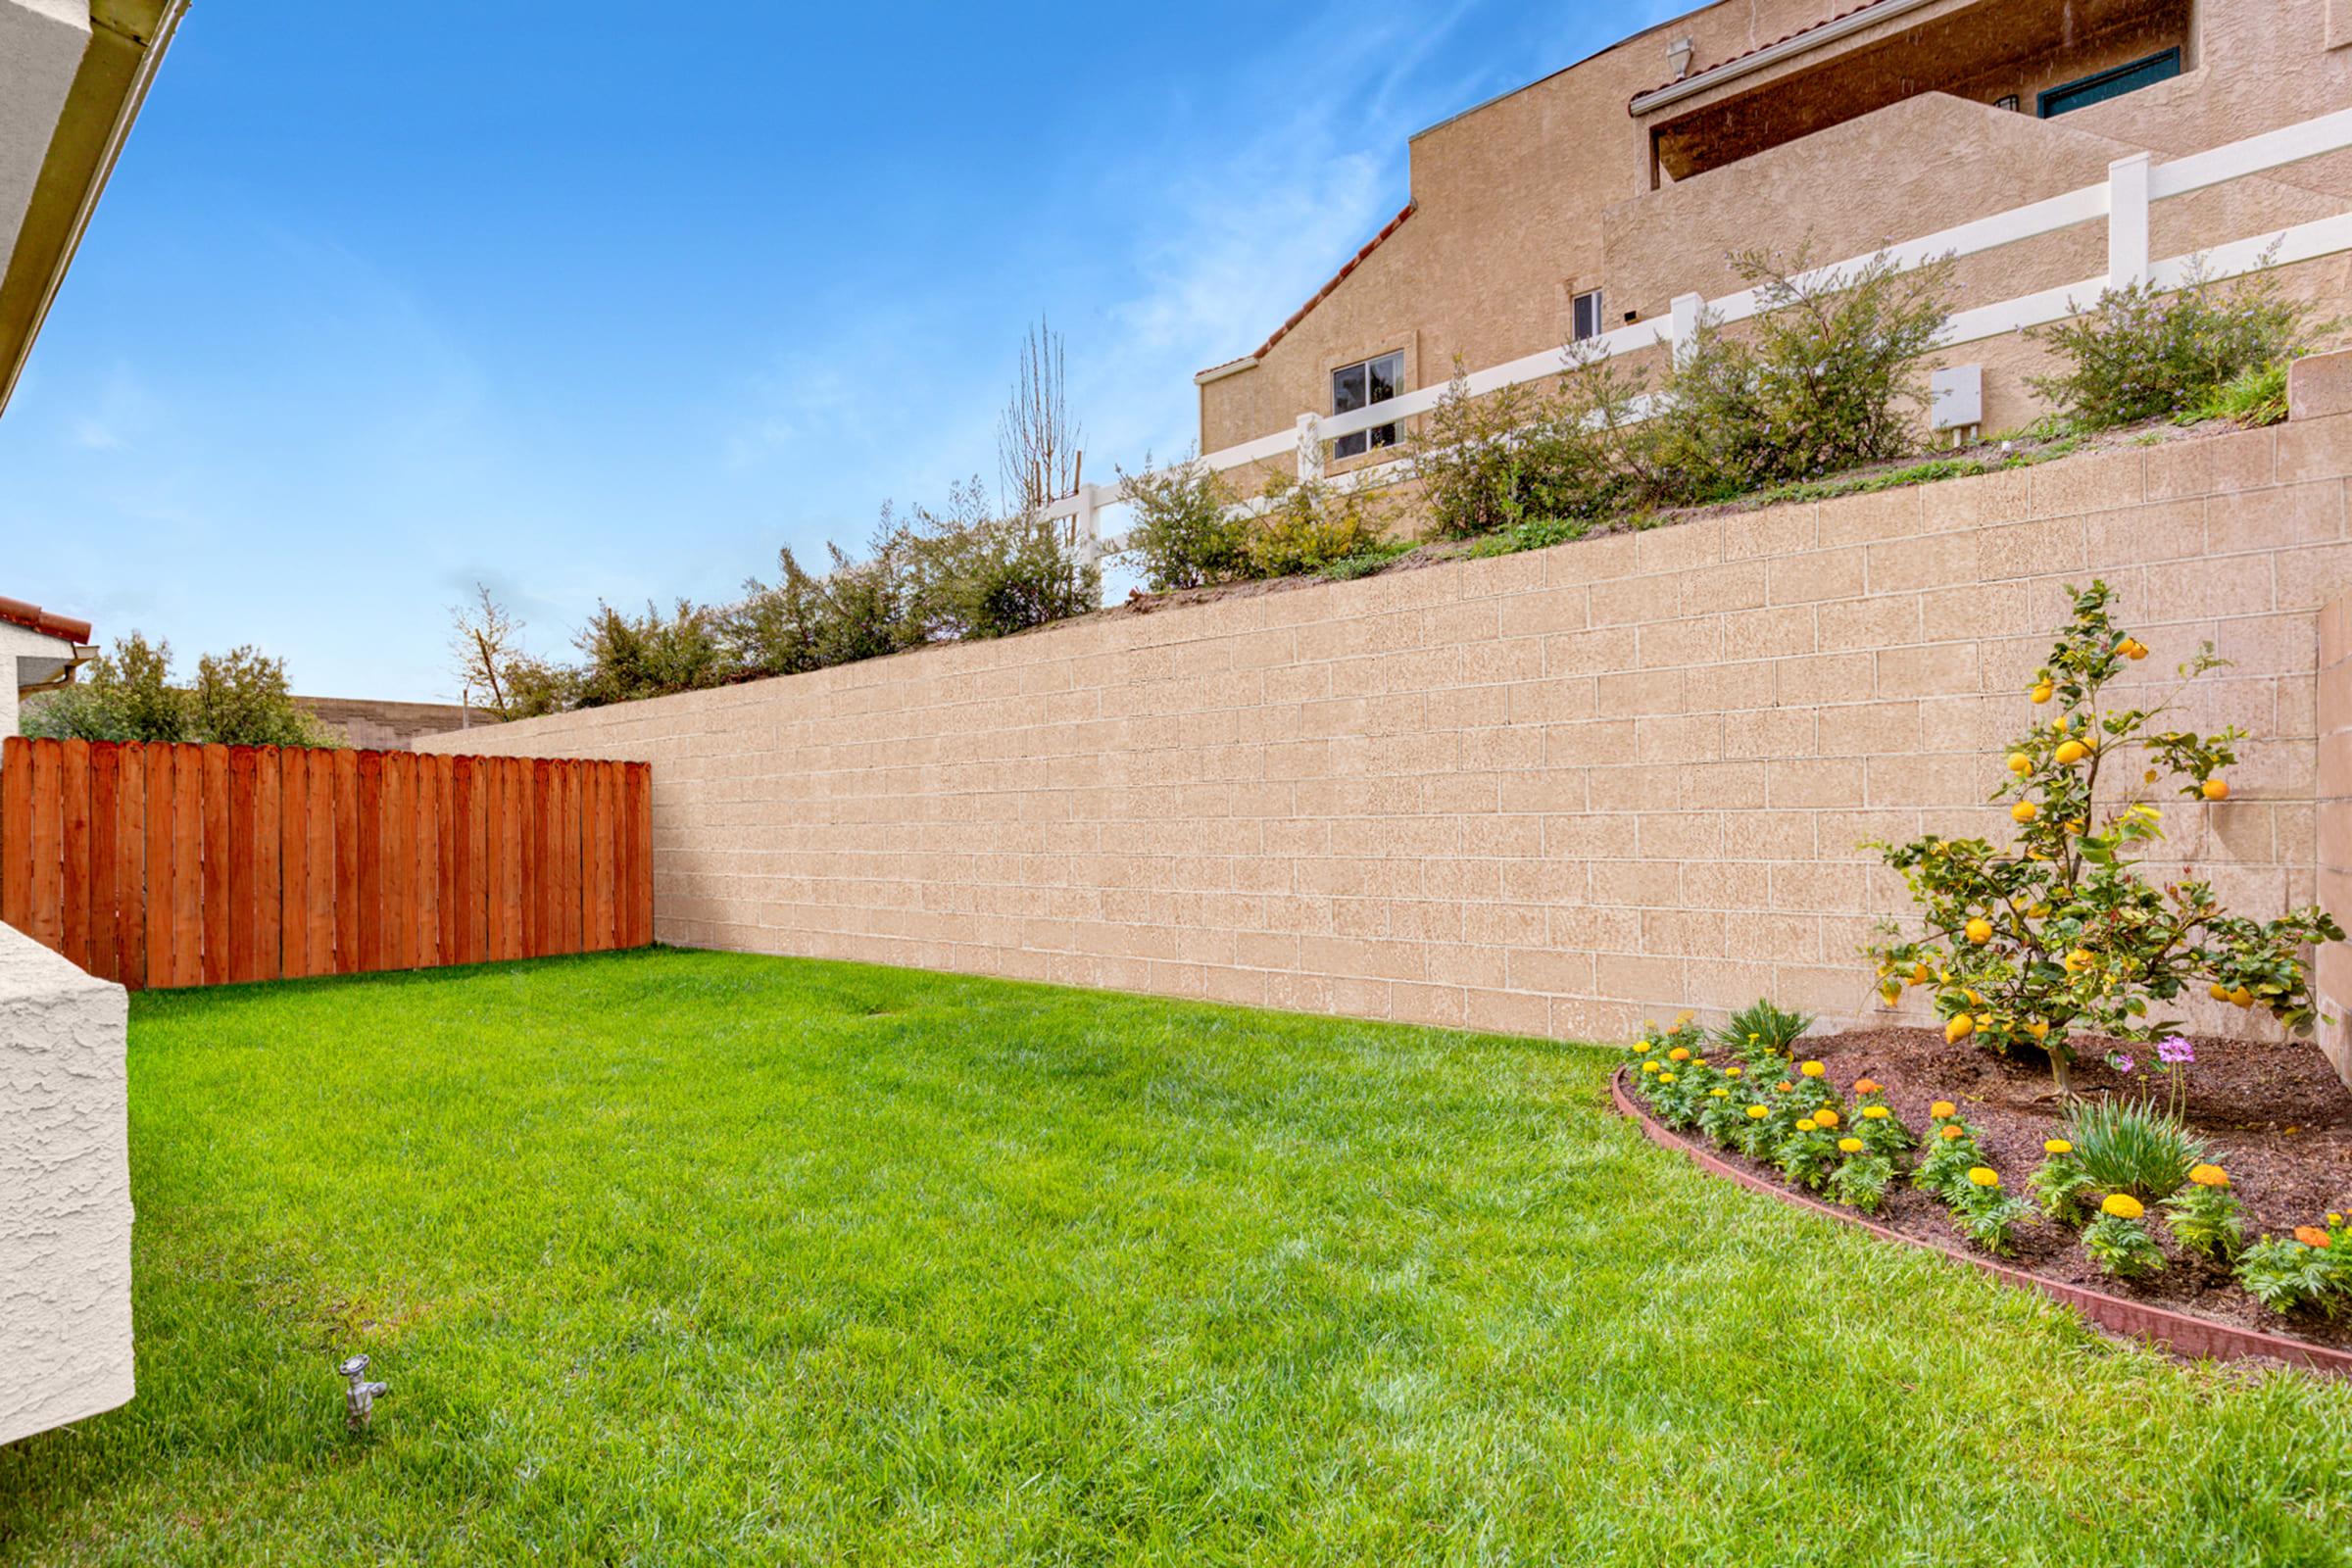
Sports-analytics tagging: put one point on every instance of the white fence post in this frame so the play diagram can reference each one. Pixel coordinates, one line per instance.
(1310, 448)
(1682, 322)
(2127, 222)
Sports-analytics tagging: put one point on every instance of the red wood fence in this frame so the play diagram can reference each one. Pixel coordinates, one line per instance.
(183, 866)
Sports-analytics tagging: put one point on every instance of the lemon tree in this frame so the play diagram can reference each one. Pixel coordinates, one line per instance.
(2059, 934)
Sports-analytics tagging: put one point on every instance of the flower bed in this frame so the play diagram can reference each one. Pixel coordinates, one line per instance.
(2274, 1124)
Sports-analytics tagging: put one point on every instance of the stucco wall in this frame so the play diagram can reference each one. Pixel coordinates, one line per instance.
(41, 43)
(1549, 792)
(65, 1193)
(2336, 828)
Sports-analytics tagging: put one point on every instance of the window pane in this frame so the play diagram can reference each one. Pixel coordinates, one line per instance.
(1351, 446)
(1587, 315)
(1387, 374)
(2111, 83)
(1383, 435)
(1348, 389)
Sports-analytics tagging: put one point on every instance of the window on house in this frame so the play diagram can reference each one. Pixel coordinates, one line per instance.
(2113, 83)
(1587, 316)
(1360, 386)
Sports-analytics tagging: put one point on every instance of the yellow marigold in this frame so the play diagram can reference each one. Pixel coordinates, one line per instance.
(2208, 1175)
(2313, 1236)
(1718, 1092)
(1731, 1072)
(1642, 1049)
(1944, 1107)
(1828, 1118)
(1852, 1145)
(1759, 1111)
(1983, 1176)
(1806, 1124)
(2122, 1206)
(2056, 1146)
(1812, 1069)
(2335, 1219)
(1955, 1132)
(1875, 1113)
(1666, 1078)
(1678, 1054)
(1682, 1018)
(1867, 1086)
(1650, 1066)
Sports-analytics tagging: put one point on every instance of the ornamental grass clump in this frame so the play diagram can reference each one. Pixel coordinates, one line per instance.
(1762, 1029)
(2312, 1268)
(2117, 1239)
(2204, 1216)
(2059, 933)
(2131, 1147)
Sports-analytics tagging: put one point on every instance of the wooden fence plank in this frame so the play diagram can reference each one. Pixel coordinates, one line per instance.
(269, 863)
(466, 884)
(368, 920)
(244, 891)
(595, 859)
(638, 833)
(294, 865)
(448, 858)
(96, 870)
(73, 790)
(319, 932)
(159, 863)
(424, 945)
(187, 865)
(575, 830)
(400, 860)
(130, 868)
(218, 847)
(349, 809)
(47, 836)
(16, 835)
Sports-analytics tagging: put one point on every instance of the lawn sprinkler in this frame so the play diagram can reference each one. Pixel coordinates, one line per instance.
(359, 1402)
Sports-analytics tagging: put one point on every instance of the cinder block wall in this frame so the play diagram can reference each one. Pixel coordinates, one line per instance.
(1551, 791)
(65, 1191)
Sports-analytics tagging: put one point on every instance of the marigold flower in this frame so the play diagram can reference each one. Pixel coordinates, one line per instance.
(1867, 1086)
(1783, 1087)
(1682, 1018)
(2208, 1175)
(1812, 1069)
(1650, 1066)
(1678, 1054)
(1731, 1072)
(1759, 1111)
(1641, 1047)
(1718, 1092)
(1828, 1118)
(1955, 1132)
(1666, 1078)
(2313, 1236)
(1875, 1113)
(2056, 1146)
(1944, 1107)
(1806, 1124)
(2335, 1219)
(2122, 1206)
(1852, 1145)
(1983, 1176)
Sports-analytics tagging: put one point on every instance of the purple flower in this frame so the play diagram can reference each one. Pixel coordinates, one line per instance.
(2122, 1063)
(2175, 1051)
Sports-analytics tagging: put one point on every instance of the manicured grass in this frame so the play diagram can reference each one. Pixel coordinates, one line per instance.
(690, 1258)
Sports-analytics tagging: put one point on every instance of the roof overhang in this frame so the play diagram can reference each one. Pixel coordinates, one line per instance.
(1871, 13)
(102, 88)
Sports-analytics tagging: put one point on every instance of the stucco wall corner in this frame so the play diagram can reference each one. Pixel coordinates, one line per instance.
(65, 1191)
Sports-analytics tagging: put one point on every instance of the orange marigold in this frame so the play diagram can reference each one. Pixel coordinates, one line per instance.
(2313, 1236)
(1867, 1086)
(1955, 1132)
(2208, 1175)
(1944, 1107)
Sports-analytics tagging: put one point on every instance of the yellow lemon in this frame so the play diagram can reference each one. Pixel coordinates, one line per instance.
(2214, 789)
(1959, 1029)
(2037, 1029)
(2020, 764)
(1980, 931)
(2218, 992)
(2079, 960)
(2242, 997)
(2134, 649)
(2023, 811)
(2043, 692)
(2072, 751)
(1890, 993)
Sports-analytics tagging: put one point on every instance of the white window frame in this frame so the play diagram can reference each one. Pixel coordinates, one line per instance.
(1380, 435)
(1581, 328)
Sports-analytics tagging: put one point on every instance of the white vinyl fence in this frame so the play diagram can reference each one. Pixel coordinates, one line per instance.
(2132, 187)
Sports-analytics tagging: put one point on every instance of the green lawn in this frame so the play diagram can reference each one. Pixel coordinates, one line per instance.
(691, 1257)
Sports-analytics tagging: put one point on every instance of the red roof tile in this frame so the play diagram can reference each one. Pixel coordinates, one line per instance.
(17, 613)
(1324, 293)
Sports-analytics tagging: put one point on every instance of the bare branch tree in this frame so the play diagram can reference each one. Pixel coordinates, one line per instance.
(482, 639)
(1037, 456)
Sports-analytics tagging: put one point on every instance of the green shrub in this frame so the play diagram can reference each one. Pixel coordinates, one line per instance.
(2204, 1216)
(1951, 1153)
(2144, 351)
(1309, 525)
(2128, 1147)
(2119, 1242)
(633, 657)
(240, 698)
(1543, 456)
(974, 575)
(2060, 1184)
(1983, 1211)
(1186, 533)
(1862, 1180)
(2311, 1268)
(1833, 373)
(2248, 399)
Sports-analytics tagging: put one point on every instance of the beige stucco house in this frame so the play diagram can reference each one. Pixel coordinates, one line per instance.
(72, 74)
(1594, 196)
(39, 649)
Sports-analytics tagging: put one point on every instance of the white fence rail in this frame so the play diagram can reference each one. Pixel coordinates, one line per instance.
(2132, 185)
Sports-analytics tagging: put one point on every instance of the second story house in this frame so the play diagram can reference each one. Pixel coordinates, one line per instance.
(1592, 197)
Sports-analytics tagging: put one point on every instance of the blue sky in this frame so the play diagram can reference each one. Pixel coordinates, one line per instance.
(610, 300)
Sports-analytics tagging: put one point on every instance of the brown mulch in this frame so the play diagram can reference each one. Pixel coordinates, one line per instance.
(2275, 1116)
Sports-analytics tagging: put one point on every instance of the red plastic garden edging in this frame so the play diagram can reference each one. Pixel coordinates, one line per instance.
(2178, 1332)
